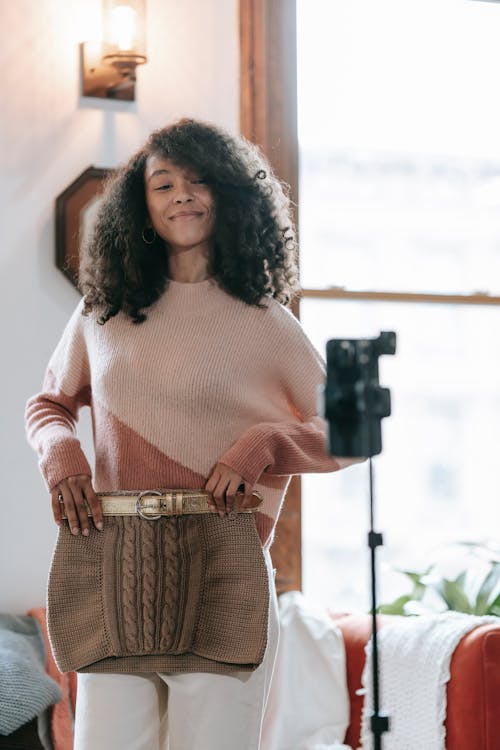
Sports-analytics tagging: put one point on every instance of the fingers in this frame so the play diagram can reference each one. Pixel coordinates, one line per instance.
(76, 491)
(216, 486)
(94, 504)
(229, 490)
(56, 506)
(210, 486)
(247, 500)
(75, 506)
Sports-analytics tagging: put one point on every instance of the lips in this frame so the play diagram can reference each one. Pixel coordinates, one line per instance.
(186, 215)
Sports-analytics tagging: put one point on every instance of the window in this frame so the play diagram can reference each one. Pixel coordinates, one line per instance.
(399, 166)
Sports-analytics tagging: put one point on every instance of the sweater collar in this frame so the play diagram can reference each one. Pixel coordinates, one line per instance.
(185, 297)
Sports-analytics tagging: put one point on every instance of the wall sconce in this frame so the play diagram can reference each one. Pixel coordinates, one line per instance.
(108, 67)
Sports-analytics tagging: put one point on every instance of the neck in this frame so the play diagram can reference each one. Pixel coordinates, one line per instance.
(188, 266)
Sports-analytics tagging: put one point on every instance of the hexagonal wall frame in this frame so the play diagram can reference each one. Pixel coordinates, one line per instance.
(75, 211)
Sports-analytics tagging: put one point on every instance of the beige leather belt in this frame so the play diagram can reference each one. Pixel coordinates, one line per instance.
(153, 504)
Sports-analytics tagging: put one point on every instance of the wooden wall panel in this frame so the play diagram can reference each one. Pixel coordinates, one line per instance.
(268, 117)
(268, 83)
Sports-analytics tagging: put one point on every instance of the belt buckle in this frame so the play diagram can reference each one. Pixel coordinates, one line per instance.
(139, 509)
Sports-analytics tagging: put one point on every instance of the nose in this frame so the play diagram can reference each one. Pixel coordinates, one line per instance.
(183, 193)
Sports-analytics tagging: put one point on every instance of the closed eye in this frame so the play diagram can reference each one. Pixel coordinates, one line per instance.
(163, 187)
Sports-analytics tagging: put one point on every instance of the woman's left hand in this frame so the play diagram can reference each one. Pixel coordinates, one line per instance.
(223, 483)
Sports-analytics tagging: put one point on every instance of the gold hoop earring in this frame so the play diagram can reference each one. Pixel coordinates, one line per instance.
(145, 239)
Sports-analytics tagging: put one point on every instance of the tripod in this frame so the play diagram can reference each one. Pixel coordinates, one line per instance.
(354, 405)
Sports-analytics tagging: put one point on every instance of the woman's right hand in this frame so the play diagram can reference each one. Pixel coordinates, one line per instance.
(76, 490)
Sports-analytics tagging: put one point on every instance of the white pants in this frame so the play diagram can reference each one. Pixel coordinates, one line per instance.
(177, 711)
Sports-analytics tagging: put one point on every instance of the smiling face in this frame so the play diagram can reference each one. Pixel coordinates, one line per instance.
(180, 205)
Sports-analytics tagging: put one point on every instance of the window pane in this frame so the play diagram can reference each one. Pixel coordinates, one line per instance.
(399, 148)
(436, 480)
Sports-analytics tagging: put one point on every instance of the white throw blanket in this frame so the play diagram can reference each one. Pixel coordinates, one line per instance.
(308, 706)
(414, 658)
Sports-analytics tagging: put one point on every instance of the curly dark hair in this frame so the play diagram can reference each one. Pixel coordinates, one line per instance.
(254, 244)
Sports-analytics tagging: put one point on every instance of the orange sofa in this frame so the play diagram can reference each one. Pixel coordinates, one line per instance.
(473, 692)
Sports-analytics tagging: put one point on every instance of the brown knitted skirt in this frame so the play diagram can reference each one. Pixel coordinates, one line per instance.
(181, 594)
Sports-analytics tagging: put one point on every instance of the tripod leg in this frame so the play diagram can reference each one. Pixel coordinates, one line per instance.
(379, 722)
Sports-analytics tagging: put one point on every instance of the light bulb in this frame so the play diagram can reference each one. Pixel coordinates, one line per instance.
(123, 27)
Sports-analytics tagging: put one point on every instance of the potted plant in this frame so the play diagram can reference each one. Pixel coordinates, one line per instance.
(474, 589)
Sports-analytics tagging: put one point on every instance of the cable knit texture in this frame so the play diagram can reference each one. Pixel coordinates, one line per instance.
(185, 594)
(205, 379)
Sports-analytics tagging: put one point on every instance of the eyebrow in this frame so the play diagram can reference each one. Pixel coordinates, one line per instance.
(157, 172)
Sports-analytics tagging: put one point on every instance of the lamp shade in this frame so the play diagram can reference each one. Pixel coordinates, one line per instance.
(124, 30)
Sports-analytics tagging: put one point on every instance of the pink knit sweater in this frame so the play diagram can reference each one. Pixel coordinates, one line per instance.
(205, 378)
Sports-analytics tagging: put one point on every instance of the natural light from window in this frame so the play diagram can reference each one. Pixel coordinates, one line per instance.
(399, 130)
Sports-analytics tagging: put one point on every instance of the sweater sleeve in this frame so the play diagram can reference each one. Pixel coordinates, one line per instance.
(298, 445)
(52, 414)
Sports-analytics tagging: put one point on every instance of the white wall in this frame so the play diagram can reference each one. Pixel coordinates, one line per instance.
(48, 135)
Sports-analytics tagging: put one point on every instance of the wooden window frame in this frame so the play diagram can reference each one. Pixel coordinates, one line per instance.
(268, 117)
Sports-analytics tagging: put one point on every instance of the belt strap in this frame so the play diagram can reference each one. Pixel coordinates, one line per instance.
(153, 504)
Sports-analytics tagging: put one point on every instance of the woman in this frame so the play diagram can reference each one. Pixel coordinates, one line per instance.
(198, 377)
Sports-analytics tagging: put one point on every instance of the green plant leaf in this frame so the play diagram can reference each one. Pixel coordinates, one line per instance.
(488, 586)
(418, 592)
(396, 607)
(494, 608)
(460, 579)
(416, 577)
(453, 595)
(413, 575)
